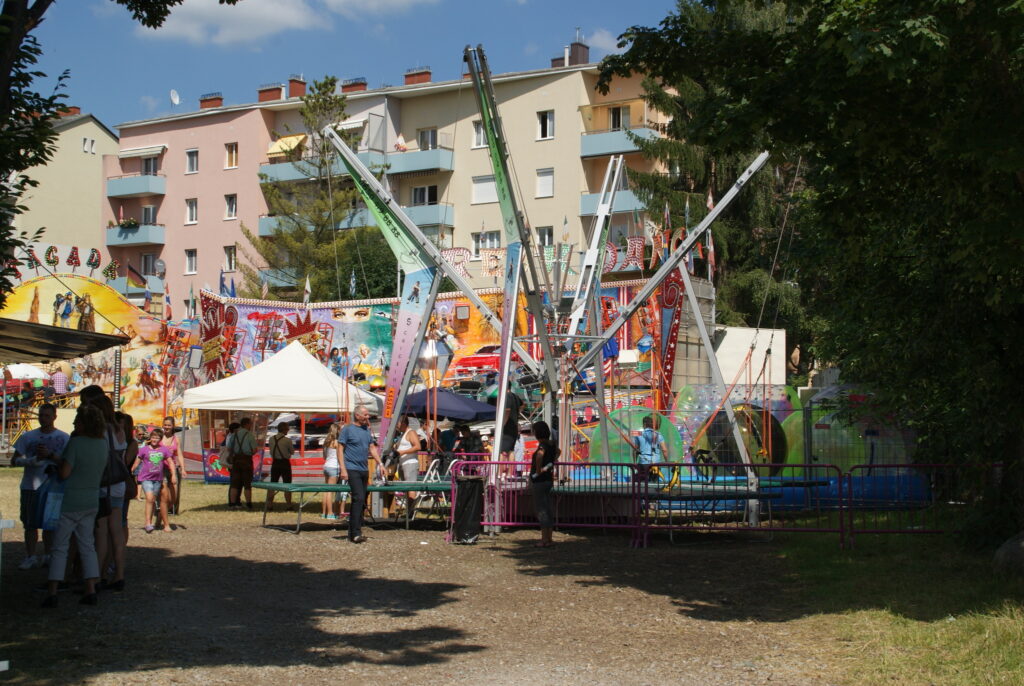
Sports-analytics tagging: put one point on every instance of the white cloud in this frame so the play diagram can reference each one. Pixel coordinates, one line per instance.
(354, 9)
(603, 40)
(206, 21)
(149, 102)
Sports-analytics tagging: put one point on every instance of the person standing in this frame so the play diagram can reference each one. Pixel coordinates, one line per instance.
(59, 381)
(542, 481)
(176, 465)
(281, 450)
(81, 466)
(650, 449)
(509, 429)
(408, 449)
(332, 472)
(355, 446)
(36, 451)
(241, 446)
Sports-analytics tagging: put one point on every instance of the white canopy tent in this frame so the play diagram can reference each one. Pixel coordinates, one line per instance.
(291, 380)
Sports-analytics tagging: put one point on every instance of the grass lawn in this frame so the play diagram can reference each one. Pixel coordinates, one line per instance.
(912, 610)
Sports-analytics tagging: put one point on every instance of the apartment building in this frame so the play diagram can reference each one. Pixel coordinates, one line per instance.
(68, 202)
(180, 186)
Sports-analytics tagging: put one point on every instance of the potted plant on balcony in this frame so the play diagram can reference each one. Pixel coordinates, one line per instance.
(129, 223)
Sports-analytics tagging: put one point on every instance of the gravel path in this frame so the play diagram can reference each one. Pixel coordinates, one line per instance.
(226, 601)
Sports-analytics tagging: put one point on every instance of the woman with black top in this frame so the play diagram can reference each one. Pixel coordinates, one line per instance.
(542, 468)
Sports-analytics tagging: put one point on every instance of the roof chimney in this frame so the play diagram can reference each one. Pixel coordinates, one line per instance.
(579, 53)
(417, 75)
(270, 91)
(296, 86)
(353, 85)
(209, 100)
(70, 111)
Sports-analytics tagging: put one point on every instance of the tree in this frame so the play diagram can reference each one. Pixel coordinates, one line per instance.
(309, 238)
(752, 288)
(911, 115)
(27, 116)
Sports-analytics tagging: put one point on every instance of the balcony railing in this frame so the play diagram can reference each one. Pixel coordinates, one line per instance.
(136, 185)
(613, 141)
(625, 201)
(143, 234)
(439, 214)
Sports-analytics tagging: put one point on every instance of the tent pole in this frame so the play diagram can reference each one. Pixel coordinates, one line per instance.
(302, 435)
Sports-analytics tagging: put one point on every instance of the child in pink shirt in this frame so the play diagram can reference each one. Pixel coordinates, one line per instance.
(152, 457)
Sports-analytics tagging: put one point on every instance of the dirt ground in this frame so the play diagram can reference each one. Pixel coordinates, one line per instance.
(222, 600)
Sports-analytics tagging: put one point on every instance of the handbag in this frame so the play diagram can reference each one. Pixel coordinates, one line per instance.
(54, 501)
(116, 470)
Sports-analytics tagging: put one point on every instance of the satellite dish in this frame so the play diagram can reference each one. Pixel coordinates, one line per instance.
(159, 267)
(175, 98)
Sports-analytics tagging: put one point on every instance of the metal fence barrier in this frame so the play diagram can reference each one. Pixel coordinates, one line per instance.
(673, 497)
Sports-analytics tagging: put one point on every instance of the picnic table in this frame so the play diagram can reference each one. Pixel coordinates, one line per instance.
(388, 487)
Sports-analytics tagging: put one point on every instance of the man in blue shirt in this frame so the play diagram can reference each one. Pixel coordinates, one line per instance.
(355, 445)
(650, 449)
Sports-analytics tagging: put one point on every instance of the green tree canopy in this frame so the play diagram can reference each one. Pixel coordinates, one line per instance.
(911, 117)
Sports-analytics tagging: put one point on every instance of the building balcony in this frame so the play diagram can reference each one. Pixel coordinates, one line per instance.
(625, 201)
(136, 185)
(128, 289)
(615, 142)
(438, 159)
(284, 169)
(144, 234)
(442, 214)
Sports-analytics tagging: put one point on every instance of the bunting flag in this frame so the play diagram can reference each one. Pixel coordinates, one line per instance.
(231, 292)
(167, 301)
(352, 284)
(711, 201)
(223, 286)
(565, 229)
(147, 299)
(264, 289)
(711, 256)
(192, 302)
(136, 278)
(306, 292)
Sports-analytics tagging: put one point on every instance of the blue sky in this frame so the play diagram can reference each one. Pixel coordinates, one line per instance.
(122, 72)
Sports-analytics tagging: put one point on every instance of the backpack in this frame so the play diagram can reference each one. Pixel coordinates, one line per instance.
(116, 471)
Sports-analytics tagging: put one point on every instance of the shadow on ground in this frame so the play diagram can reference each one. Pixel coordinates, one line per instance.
(236, 612)
(740, 577)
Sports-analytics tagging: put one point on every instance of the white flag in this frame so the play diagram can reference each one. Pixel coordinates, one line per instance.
(306, 292)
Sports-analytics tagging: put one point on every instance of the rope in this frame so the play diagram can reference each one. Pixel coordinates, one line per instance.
(778, 245)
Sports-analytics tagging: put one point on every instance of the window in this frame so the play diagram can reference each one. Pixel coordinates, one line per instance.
(623, 180)
(92, 146)
(618, 118)
(229, 258)
(479, 137)
(148, 264)
(484, 190)
(424, 195)
(427, 138)
(191, 258)
(149, 214)
(230, 155)
(545, 183)
(189, 307)
(484, 240)
(191, 161)
(85, 145)
(231, 206)
(149, 166)
(545, 235)
(191, 210)
(545, 124)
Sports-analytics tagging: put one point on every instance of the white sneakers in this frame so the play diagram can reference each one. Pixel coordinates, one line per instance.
(34, 562)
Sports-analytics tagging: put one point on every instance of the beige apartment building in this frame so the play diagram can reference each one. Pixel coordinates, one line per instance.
(68, 202)
(194, 178)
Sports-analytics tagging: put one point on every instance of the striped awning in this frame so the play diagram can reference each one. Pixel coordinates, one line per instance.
(144, 151)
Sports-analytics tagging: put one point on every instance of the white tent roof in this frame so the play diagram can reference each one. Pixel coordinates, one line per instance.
(291, 380)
